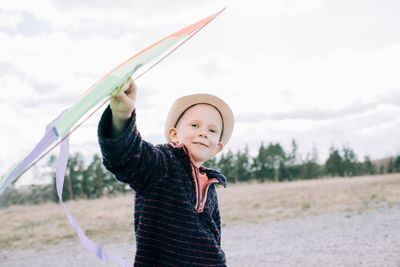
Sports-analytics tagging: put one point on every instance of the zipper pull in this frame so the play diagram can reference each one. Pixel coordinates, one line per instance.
(200, 208)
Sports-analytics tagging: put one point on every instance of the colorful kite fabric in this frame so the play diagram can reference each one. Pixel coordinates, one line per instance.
(59, 129)
(101, 90)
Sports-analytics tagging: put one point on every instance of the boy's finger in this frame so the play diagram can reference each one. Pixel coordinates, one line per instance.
(125, 87)
(124, 98)
(131, 87)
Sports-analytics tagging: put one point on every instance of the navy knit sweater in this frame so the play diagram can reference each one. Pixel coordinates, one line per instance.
(171, 227)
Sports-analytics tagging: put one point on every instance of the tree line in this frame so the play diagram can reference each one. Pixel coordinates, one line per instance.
(89, 180)
(273, 163)
(81, 181)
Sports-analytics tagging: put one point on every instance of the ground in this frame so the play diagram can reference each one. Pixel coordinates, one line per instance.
(325, 222)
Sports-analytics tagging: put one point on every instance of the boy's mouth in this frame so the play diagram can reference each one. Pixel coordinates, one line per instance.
(200, 143)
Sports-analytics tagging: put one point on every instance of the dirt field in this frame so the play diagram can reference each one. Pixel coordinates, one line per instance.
(109, 219)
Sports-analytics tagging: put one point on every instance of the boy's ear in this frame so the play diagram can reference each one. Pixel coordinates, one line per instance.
(173, 135)
(220, 146)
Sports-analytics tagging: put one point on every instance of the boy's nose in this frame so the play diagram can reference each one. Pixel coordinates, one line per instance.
(203, 134)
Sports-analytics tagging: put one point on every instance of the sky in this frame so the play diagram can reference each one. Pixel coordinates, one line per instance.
(324, 72)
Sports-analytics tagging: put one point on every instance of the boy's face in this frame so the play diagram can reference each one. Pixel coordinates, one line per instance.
(199, 129)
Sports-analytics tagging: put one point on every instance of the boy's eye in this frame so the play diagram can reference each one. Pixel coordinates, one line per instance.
(213, 131)
(194, 125)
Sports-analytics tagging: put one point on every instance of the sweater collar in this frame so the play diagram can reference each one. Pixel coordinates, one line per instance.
(182, 152)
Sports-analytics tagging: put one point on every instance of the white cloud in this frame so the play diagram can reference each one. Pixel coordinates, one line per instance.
(10, 19)
(331, 63)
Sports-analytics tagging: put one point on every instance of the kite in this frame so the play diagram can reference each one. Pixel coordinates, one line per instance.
(96, 96)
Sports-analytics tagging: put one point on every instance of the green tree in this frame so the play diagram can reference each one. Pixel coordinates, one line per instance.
(349, 162)
(333, 165)
(51, 164)
(391, 167)
(104, 181)
(275, 159)
(367, 166)
(381, 169)
(242, 165)
(212, 163)
(397, 164)
(260, 167)
(226, 166)
(72, 188)
(93, 178)
(293, 164)
(310, 167)
(74, 177)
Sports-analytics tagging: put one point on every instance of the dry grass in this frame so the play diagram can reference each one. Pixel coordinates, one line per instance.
(256, 203)
(110, 219)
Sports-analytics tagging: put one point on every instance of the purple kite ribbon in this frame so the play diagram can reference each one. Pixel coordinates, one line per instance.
(50, 136)
(85, 241)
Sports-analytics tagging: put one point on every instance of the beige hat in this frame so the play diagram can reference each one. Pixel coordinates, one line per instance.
(185, 102)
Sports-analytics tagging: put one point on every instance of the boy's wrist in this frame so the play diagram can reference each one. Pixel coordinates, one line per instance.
(118, 124)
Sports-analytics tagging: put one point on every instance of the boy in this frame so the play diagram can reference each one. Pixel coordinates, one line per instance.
(177, 219)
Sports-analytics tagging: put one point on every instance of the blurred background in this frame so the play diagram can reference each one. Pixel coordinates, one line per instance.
(314, 86)
(322, 74)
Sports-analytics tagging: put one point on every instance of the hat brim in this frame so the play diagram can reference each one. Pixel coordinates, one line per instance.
(185, 102)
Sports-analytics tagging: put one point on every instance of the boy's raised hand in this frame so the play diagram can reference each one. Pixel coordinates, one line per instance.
(122, 106)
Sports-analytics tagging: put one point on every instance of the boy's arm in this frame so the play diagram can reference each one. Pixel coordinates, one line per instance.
(125, 154)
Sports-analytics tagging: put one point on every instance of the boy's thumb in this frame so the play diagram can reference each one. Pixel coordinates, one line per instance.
(126, 86)
(123, 97)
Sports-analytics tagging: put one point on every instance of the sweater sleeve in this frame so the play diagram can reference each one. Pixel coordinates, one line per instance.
(131, 159)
